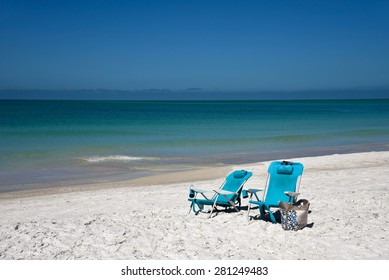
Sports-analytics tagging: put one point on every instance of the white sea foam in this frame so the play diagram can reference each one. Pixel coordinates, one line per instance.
(111, 158)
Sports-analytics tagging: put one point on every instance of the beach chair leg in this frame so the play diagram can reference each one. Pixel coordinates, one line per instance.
(210, 215)
(248, 211)
(191, 208)
(272, 218)
(249, 207)
(213, 206)
(231, 203)
(256, 196)
(236, 209)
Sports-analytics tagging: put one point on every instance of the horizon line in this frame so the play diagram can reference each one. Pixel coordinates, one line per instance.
(200, 89)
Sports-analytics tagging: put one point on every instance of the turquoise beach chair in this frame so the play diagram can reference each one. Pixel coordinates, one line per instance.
(228, 195)
(282, 184)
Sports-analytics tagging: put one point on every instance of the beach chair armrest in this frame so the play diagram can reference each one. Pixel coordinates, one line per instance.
(223, 192)
(254, 190)
(292, 194)
(201, 190)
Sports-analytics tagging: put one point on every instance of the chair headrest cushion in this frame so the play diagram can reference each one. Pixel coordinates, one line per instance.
(239, 174)
(285, 169)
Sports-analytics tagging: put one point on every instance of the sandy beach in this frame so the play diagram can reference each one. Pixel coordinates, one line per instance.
(149, 219)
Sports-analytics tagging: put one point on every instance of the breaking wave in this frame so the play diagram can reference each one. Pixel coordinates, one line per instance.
(111, 158)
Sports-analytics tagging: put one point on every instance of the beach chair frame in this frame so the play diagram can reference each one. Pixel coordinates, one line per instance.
(287, 192)
(220, 197)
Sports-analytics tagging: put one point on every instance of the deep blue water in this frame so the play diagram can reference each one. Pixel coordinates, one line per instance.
(43, 142)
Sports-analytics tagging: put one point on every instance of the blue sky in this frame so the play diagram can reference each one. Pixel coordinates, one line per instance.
(213, 45)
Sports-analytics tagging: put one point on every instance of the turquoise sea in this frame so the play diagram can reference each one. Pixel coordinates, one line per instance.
(52, 143)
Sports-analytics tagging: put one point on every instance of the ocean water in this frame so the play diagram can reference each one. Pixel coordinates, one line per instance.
(49, 143)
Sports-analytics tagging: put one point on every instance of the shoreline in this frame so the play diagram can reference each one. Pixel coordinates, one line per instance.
(151, 180)
(348, 194)
(174, 176)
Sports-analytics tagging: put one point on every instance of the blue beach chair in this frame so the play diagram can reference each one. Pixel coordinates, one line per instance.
(228, 195)
(282, 184)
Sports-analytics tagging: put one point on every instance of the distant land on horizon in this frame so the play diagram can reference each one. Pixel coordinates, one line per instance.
(191, 94)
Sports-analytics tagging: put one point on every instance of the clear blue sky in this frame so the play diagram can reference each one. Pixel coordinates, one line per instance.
(224, 45)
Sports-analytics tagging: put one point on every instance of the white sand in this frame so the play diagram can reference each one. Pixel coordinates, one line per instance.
(349, 196)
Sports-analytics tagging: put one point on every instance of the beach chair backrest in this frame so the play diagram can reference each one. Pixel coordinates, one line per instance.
(283, 177)
(234, 183)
